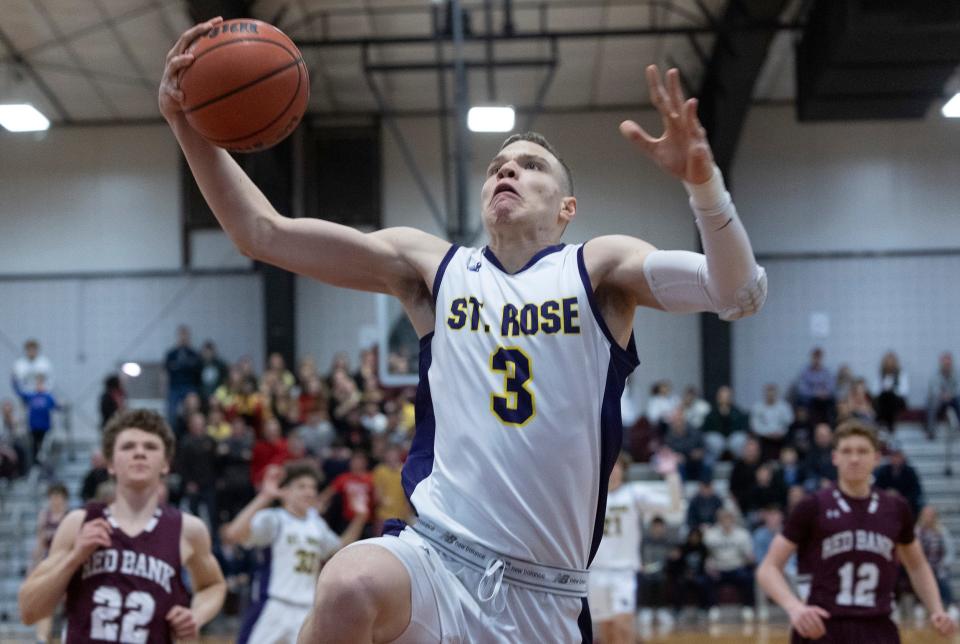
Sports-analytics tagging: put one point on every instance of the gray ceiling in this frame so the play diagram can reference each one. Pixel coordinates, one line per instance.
(86, 61)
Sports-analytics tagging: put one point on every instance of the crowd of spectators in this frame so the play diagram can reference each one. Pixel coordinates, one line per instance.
(232, 421)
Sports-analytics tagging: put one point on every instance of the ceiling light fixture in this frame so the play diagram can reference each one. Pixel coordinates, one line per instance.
(951, 109)
(491, 119)
(22, 117)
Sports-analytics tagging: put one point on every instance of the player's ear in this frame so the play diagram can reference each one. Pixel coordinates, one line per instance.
(568, 209)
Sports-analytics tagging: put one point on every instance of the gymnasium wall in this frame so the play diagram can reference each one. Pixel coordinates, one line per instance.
(850, 192)
(107, 199)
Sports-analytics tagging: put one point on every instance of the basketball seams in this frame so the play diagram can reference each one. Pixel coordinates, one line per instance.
(286, 108)
(245, 86)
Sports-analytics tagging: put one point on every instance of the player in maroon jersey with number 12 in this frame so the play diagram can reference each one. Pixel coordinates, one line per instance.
(851, 539)
(120, 564)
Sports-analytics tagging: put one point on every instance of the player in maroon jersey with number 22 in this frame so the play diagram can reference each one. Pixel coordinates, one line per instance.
(851, 539)
(120, 564)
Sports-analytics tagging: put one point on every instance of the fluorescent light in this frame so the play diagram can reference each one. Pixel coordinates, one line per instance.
(490, 119)
(132, 369)
(22, 117)
(951, 109)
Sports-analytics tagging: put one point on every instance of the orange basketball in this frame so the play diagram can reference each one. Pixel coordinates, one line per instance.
(247, 87)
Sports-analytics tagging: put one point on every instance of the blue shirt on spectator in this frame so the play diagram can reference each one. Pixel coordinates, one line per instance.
(40, 406)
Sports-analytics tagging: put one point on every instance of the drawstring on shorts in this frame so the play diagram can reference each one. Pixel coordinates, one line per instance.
(491, 585)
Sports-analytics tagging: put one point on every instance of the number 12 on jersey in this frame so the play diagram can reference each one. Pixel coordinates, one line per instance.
(515, 405)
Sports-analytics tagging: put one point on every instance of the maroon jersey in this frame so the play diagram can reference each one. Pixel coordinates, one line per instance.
(122, 593)
(848, 546)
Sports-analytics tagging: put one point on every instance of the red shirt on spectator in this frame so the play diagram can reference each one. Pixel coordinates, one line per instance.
(353, 486)
(266, 453)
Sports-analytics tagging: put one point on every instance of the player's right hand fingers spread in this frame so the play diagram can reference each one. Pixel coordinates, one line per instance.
(193, 32)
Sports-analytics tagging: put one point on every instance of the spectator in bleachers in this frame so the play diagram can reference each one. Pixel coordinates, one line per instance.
(355, 488)
(366, 376)
(233, 459)
(768, 491)
(943, 393)
(372, 417)
(196, 456)
(13, 456)
(345, 398)
(791, 471)
(306, 369)
(182, 364)
(818, 464)
(31, 364)
(899, 476)
(795, 494)
(688, 444)
(703, 507)
(695, 408)
(112, 400)
(655, 551)
(661, 405)
(800, 432)
(313, 397)
(277, 368)
(938, 546)
(892, 389)
(228, 395)
(687, 569)
(316, 432)
(726, 427)
(40, 405)
(743, 476)
(217, 426)
(189, 405)
(96, 476)
(48, 520)
(270, 449)
(730, 561)
(252, 406)
(843, 382)
(815, 388)
(388, 490)
(858, 402)
(213, 371)
(770, 419)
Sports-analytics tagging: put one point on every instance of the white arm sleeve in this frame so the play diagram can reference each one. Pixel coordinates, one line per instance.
(726, 278)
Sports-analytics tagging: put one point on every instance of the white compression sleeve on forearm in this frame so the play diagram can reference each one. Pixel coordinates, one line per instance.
(726, 278)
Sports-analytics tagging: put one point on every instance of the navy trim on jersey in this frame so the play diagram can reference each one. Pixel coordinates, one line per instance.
(585, 622)
(533, 260)
(420, 459)
(255, 610)
(441, 269)
(630, 353)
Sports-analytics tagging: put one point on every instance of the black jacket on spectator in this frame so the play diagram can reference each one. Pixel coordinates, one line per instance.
(743, 478)
(195, 460)
(819, 465)
(94, 478)
(760, 497)
(703, 509)
(726, 424)
(904, 480)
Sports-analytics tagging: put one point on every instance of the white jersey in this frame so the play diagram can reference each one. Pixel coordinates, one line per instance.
(518, 408)
(622, 533)
(294, 550)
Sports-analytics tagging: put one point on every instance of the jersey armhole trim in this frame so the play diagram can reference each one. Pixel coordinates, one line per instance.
(441, 269)
(630, 353)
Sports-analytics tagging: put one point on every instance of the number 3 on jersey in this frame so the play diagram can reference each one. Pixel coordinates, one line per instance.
(515, 405)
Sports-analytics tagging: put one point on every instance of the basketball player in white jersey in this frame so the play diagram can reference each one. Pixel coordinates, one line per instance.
(525, 346)
(613, 573)
(297, 542)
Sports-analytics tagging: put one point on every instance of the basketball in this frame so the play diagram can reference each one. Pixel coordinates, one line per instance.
(247, 88)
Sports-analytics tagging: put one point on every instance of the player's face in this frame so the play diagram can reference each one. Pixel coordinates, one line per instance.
(855, 459)
(301, 493)
(524, 182)
(138, 458)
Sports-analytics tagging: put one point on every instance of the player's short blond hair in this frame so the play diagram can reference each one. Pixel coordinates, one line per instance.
(850, 428)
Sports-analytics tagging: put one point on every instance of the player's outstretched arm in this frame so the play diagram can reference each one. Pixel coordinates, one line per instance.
(806, 620)
(725, 279)
(238, 531)
(666, 463)
(209, 587)
(72, 545)
(925, 586)
(385, 261)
